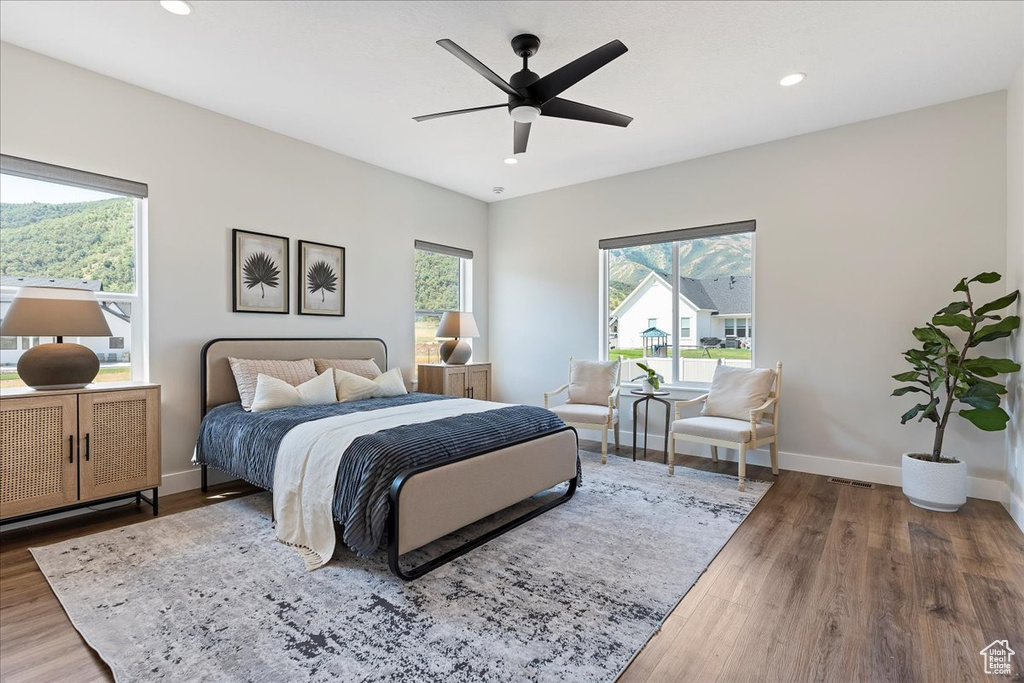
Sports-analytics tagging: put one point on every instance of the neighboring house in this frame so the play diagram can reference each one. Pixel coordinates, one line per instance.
(712, 307)
(115, 348)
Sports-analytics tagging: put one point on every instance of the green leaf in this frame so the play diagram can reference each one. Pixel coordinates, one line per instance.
(912, 413)
(986, 278)
(981, 397)
(906, 390)
(999, 304)
(929, 411)
(954, 307)
(998, 330)
(907, 376)
(957, 320)
(961, 286)
(996, 386)
(987, 420)
(930, 334)
(990, 367)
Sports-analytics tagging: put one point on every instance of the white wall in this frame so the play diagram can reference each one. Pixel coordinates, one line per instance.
(862, 231)
(208, 174)
(1015, 280)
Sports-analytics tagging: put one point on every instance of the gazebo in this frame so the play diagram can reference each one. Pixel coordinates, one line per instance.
(655, 343)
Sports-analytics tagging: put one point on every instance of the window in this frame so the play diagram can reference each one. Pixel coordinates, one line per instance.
(68, 228)
(701, 277)
(443, 283)
(8, 343)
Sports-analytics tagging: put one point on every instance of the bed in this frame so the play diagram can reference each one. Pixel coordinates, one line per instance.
(407, 485)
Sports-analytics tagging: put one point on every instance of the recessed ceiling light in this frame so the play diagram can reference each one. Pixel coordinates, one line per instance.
(792, 79)
(179, 7)
(511, 160)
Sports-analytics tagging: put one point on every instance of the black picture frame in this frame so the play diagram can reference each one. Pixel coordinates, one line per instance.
(321, 271)
(259, 259)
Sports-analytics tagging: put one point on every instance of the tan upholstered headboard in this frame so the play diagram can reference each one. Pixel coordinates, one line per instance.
(218, 384)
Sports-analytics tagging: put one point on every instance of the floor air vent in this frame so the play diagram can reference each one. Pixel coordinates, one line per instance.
(851, 482)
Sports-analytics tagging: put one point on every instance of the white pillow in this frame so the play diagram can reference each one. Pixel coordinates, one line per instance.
(592, 381)
(273, 393)
(391, 383)
(736, 391)
(246, 372)
(352, 387)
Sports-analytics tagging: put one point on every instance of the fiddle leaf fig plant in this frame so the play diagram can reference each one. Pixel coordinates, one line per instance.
(651, 376)
(945, 375)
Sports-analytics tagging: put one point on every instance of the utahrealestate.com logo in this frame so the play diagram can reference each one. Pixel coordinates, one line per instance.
(997, 657)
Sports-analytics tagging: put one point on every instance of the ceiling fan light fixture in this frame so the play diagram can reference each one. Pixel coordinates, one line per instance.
(179, 7)
(792, 79)
(525, 113)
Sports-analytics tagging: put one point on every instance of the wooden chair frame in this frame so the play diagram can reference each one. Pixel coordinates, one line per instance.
(756, 417)
(613, 412)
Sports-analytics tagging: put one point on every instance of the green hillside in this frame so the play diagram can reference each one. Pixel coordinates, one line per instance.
(89, 240)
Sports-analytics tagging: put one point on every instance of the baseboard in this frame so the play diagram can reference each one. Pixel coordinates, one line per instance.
(1014, 505)
(986, 489)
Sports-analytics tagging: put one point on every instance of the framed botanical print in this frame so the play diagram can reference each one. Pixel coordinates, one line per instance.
(321, 279)
(260, 275)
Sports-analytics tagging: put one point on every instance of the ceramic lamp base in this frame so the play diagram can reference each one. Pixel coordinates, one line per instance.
(58, 366)
(456, 352)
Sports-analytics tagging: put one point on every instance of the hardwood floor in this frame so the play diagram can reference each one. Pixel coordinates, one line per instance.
(822, 582)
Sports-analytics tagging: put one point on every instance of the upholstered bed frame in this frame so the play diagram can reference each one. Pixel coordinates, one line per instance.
(429, 502)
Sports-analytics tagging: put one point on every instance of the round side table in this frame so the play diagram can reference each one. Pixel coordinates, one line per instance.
(646, 397)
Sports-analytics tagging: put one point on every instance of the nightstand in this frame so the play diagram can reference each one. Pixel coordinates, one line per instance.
(472, 380)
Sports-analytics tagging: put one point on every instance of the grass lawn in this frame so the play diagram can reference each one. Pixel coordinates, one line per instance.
(739, 354)
(122, 374)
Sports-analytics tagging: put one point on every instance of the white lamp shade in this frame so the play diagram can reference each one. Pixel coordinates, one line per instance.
(457, 324)
(54, 312)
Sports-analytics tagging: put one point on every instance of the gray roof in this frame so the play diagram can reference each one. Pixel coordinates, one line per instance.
(727, 295)
(68, 282)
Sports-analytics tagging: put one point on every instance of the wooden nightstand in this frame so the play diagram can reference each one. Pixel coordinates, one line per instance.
(472, 380)
(71, 448)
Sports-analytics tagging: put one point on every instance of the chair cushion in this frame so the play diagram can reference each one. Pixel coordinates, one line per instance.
(592, 381)
(582, 413)
(723, 428)
(736, 391)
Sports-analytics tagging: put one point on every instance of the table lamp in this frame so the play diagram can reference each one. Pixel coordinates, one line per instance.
(56, 312)
(454, 325)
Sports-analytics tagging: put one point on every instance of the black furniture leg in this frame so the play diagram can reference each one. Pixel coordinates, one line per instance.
(647, 417)
(204, 486)
(635, 405)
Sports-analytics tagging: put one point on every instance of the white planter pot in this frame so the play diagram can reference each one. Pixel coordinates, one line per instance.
(940, 486)
(647, 387)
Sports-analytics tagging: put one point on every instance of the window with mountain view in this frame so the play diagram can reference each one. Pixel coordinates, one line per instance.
(703, 282)
(443, 280)
(54, 234)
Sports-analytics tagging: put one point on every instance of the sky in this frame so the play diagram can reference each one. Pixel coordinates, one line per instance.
(15, 190)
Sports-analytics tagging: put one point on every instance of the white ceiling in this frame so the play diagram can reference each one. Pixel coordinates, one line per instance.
(699, 77)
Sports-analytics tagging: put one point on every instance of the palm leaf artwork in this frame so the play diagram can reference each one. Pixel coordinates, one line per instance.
(260, 269)
(321, 278)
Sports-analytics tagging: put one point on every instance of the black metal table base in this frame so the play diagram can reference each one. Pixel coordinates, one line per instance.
(154, 502)
(646, 400)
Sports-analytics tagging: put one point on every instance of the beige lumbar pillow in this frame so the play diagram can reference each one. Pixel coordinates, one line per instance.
(364, 368)
(592, 381)
(352, 387)
(391, 383)
(246, 372)
(736, 391)
(273, 393)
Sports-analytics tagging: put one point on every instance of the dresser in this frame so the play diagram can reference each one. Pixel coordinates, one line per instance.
(66, 449)
(472, 380)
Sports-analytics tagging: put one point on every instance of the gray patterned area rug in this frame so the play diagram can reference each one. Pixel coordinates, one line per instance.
(570, 596)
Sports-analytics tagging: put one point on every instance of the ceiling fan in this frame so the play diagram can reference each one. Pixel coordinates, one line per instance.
(530, 96)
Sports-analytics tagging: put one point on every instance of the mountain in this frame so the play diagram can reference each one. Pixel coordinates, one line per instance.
(89, 240)
(700, 258)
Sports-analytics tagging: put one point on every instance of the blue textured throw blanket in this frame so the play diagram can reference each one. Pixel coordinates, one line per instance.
(245, 445)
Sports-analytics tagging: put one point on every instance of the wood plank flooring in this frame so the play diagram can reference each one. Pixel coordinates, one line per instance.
(822, 582)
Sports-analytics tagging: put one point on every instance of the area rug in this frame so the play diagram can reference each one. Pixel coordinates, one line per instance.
(570, 596)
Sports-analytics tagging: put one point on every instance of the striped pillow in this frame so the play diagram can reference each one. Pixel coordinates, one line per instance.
(246, 372)
(364, 368)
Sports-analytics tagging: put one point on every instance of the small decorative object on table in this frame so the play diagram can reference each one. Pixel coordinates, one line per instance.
(56, 312)
(260, 275)
(321, 279)
(651, 380)
(455, 325)
(944, 374)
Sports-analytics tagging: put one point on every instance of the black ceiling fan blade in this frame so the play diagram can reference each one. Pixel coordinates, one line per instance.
(427, 117)
(575, 71)
(567, 109)
(522, 136)
(478, 66)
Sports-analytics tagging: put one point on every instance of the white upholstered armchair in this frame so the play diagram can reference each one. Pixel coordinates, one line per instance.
(741, 411)
(593, 399)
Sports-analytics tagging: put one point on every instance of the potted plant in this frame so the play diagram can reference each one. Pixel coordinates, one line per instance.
(944, 373)
(651, 380)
